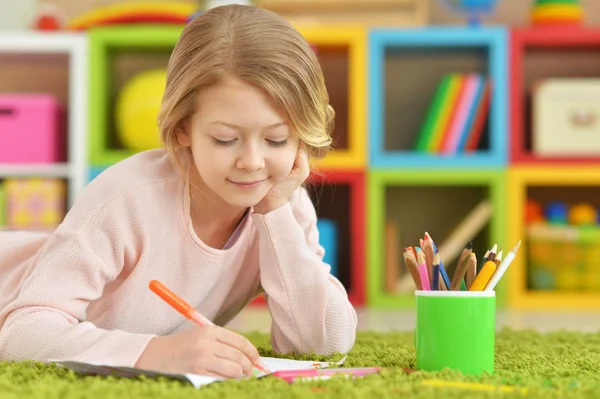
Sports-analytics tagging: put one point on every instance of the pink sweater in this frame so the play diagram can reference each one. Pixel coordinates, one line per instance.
(81, 293)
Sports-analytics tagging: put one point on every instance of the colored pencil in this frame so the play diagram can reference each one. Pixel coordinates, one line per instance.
(502, 268)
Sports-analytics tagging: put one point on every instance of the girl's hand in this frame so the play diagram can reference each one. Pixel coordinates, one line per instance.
(211, 350)
(280, 193)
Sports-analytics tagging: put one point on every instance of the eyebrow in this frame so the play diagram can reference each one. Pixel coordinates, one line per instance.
(234, 126)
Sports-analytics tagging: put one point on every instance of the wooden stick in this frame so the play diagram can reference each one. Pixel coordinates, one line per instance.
(469, 227)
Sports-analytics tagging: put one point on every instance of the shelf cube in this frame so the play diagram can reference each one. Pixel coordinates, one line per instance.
(559, 187)
(342, 52)
(405, 68)
(117, 54)
(540, 53)
(434, 201)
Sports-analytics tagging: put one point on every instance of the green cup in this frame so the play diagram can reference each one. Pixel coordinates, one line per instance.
(456, 330)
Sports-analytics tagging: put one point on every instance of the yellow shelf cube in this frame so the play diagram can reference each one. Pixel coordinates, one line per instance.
(519, 180)
(355, 39)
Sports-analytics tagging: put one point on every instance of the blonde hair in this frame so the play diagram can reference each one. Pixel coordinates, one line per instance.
(259, 47)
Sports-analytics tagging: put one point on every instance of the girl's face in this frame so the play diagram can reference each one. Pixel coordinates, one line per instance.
(242, 145)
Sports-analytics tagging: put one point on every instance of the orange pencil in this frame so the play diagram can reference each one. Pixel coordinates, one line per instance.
(187, 310)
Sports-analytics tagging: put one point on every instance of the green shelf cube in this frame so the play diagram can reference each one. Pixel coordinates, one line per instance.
(104, 42)
(489, 182)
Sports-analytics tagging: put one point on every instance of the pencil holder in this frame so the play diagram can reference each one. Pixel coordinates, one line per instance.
(456, 330)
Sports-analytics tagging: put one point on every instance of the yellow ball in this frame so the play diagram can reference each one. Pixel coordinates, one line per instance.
(583, 214)
(137, 109)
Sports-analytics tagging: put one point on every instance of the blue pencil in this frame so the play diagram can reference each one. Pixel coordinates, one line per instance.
(435, 284)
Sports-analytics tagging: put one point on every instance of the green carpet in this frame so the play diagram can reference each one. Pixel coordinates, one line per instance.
(553, 365)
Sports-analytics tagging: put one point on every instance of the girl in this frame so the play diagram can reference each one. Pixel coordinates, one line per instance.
(218, 217)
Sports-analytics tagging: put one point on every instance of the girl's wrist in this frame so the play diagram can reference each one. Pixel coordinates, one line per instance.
(265, 207)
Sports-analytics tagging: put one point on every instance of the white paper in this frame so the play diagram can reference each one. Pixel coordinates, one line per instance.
(274, 364)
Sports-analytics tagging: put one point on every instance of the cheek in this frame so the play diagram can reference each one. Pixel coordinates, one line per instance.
(282, 164)
(209, 164)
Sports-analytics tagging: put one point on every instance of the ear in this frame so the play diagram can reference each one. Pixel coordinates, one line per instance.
(183, 135)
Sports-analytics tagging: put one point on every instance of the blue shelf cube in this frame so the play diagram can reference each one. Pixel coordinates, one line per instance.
(492, 41)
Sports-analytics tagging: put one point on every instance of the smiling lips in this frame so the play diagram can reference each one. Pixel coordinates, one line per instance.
(246, 185)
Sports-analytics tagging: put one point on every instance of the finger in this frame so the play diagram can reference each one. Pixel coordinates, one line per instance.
(239, 342)
(301, 164)
(235, 355)
(225, 368)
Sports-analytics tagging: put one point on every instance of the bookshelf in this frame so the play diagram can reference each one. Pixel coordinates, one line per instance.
(382, 81)
(56, 64)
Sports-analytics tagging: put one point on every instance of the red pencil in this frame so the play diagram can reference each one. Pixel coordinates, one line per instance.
(291, 375)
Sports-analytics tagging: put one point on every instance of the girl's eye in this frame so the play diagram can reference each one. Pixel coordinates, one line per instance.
(282, 143)
(223, 143)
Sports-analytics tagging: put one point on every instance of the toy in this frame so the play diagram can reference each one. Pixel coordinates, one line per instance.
(48, 17)
(34, 203)
(583, 214)
(556, 12)
(533, 212)
(137, 109)
(557, 212)
(26, 119)
(474, 8)
(564, 248)
(216, 3)
(175, 12)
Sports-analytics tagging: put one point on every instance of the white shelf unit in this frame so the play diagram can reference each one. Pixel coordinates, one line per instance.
(75, 46)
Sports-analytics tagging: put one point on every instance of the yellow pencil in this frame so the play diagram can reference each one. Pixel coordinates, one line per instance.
(473, 386)
(484, 276)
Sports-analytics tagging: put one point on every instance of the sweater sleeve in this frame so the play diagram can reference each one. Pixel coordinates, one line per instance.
(47, 320)
(310, 307)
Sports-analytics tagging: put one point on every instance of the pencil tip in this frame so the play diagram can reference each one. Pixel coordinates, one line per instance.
(516, 248)
(427, 236)
(469, 245)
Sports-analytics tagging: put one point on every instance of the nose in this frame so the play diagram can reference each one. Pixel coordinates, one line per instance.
(250, 158)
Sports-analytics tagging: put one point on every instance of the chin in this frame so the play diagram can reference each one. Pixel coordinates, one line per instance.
(239, 201)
